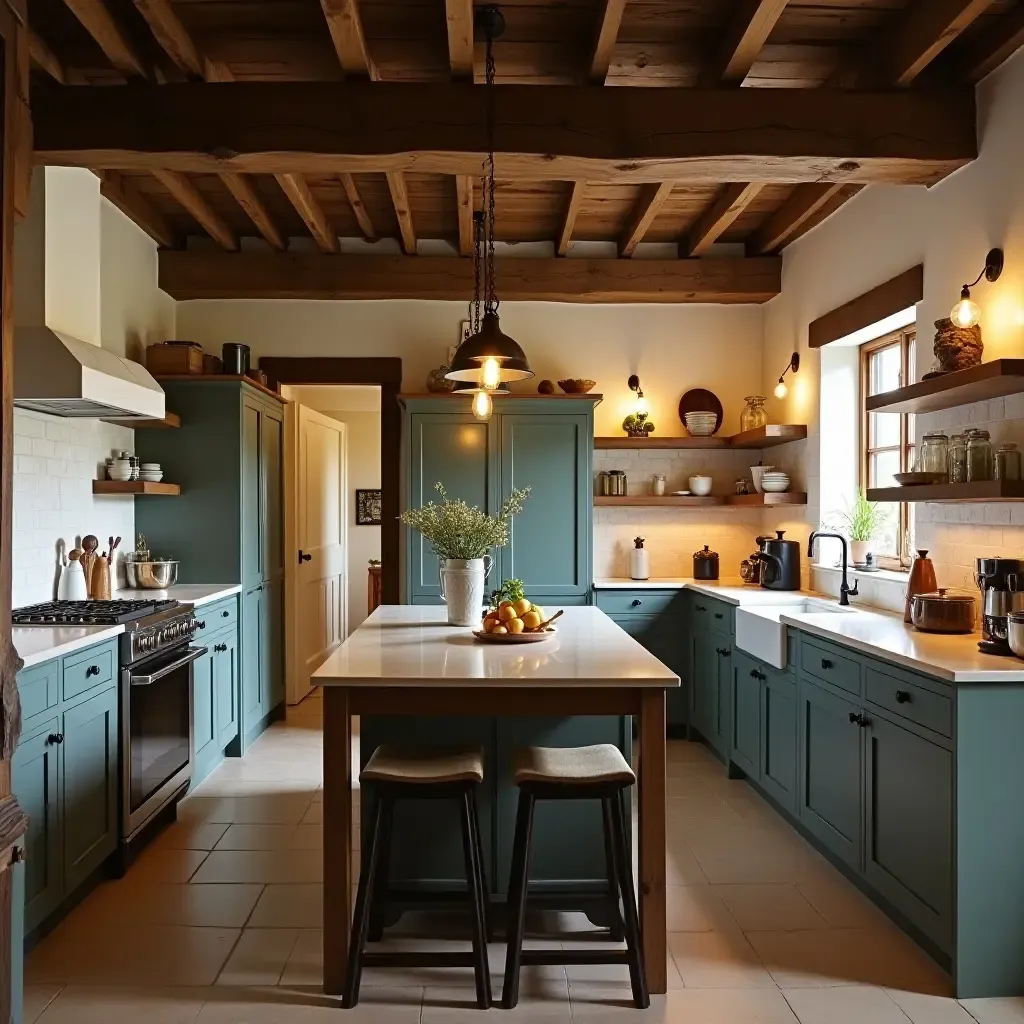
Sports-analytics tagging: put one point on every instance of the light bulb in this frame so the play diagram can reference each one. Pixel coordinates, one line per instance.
(965, 313)
(641, 404)
(780, 389)
(490, 374)
(482, 406)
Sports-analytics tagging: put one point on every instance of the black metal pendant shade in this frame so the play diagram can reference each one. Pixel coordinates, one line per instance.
(490, 342)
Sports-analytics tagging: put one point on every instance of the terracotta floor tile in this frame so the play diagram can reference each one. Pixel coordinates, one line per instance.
(35, 999)
(845, 1004)
(838, 901)
(82, 1004)
(257, 837)
(261, 866)
(601, 1005)
(288, 1006)
(208, 906)
(190, 835)
(270, 809)
(995, 1011)
(441, 1005)
(305, 966)
(289, 906)
(926, 1009)
(718, 959)
(161, 864)
(769, 907)
(259, 957)
(693, 908)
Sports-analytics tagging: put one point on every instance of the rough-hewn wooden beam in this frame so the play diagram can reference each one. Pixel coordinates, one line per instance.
(296, 275)
(97, 20)
(464, 203)
(195, 202)
(137, 208)
(403, 211)
(604, 42)
(459, 19)
(572, 211)
(172, 35)
(248, 199)
(648, 206)
(724, 209)
(45, 58)
(346, 27)
(781, 225)
(355, 200)
(996, 44)
(927, 28)
(296, 189)
(576, 134)
(750, 27)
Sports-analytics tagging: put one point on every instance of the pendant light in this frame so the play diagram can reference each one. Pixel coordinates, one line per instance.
(488, 357)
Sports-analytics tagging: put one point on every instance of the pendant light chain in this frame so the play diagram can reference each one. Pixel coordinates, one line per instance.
(491, 296)
(476, 302)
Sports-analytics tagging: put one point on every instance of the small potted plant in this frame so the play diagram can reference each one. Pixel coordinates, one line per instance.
(462, 537)
(862, 522)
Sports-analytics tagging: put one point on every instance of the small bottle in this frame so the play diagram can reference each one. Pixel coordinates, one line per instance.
(639, 566)
(658, 485)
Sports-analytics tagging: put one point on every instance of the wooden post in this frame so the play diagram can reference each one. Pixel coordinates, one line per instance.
(337, 836)
(653, 769)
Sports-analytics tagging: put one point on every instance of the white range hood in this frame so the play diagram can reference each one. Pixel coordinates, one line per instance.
(63, 376)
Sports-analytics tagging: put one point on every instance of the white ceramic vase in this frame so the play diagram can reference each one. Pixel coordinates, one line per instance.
(859, 551)
(462, 588)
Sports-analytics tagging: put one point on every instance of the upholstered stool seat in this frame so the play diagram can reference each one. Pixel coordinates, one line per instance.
(602, 762)
(424, 767)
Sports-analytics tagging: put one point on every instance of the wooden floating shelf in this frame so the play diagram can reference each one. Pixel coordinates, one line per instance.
(961, 387)
(171, 421)
(985, 490)
(692, 501)
(134, 487)
(763, 437)
(767, 500)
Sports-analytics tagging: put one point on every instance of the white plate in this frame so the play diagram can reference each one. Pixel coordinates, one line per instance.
(680, 494)
(515, 638)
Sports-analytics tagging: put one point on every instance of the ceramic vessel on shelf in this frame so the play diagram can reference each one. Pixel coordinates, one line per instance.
(120, 469)
(921, 581)
(774, 483)
(576, 386)
(700, 485)
(754, 414)
(757, 473)
(701, 424)
(859, 550)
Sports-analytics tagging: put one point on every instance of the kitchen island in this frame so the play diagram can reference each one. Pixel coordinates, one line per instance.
(405, 664)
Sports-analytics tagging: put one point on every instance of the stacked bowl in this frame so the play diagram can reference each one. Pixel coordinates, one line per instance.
(701, 424)
(775, 482)
(151, 472)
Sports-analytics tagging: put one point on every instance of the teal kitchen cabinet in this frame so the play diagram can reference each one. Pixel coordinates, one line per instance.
(204, 715)
(745, 739)
(227, 523)
(712, 688)
(777, 769)
(215, 686)
(226, 691)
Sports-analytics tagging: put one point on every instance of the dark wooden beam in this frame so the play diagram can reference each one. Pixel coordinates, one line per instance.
(725, 208)
(780, 226)
(295, 275)
(576, 134)
(648, 206)
(346, 28)
(572, 211)
(459, 20)
(97, 20)
(248, 199)
(604, 42)
(295, 188)
(172, 35)
(464, 203)
(137, 208)
(895, 295)
(403, 211)
(750, 27)
(45, 58)
(355, 200)
(996, 44)
(185, 192)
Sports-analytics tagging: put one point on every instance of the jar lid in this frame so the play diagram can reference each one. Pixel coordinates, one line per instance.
(1008, 446)
(706, 553)
(980, 435)
(947, 598)
(936, 435)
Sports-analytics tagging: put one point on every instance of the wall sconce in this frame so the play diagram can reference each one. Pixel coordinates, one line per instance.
(781, 390)
(641, 402)
(966, 313)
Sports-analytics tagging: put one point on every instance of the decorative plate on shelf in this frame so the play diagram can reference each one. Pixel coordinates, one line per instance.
(515, 638)
(918, 477)
(700, 400)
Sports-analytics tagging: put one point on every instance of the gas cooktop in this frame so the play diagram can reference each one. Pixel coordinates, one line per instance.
(88, 613)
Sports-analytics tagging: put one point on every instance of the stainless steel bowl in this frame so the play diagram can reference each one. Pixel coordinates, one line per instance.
(151, 575)
(1015, 632)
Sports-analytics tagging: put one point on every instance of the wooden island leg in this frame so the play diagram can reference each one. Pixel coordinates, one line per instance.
(653, 769)
(337, 836)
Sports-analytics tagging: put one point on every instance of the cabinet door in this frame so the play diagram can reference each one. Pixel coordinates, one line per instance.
(705, 686)
(549, 545)
(225, 689)
(745, 736)
(830, 747)
(89, 776)
(271, 479)
(723, 694)
(778, 737)
(252, 660)
(460, 453)
(252, 498)
(272, 640)
(204, 713)
(660, 635)
(909, 841)
(35, 781)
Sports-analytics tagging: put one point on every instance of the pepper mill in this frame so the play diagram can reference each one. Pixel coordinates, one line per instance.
(89, 545)
(922, 581)
(101, 578)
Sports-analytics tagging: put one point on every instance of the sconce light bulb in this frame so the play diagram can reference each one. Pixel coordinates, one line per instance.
(482, 406)
(641, 404)
(490, 374)
(965, 313)
(780, 389)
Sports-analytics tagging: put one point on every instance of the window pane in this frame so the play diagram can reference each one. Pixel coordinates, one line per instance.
(881, 468)
(885, 368)
(884, 428)
(886, 543)
(911, 427)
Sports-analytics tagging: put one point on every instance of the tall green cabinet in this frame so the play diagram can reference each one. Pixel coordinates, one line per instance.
(227, 524)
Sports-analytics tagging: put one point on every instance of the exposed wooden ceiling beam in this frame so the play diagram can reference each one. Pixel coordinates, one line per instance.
(355, 200)
(576, 134)
(572, 211)
(747, 33)
(172, 35)
(780, 226)
(724, 209)
(195, 202)
(995, 45)
(403, 211)
(459, 19)
(296, 189)
(45, 58)
(648, 206)
(97, 20)
(242, 189)
(295, 275)
(604, 43)
(137, 208)
(464, 203)
(346, 27)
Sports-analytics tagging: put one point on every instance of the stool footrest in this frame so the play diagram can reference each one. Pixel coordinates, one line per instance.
(418, 959)
(572, 957)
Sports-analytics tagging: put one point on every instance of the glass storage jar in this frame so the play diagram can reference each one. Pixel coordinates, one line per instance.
(980, 461)
(957, 459)
(1007, 462)
(934, 454)
(754, 414)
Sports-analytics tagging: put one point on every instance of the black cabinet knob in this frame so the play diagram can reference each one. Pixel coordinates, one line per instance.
(719, 615)
(754, 674)
(304, 556)
(860, 720)
(725, 652)
(761, 676)
(55, 737)
(826, 664)
(700, 607)
(224, 614)
(637, 602)
(902, 697)
(92, 670)
(201, 625)
(220, 647)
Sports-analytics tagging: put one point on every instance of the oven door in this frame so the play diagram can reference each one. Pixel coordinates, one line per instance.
(156, 733)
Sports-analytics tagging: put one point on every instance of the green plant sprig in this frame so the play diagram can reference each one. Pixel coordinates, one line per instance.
(864, 519)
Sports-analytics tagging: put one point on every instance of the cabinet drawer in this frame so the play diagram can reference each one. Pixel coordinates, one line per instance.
(39, 689)
(824, 662)
(89, 669)
(219, 615)
(710, 613)
(908, 700)
(639, 602)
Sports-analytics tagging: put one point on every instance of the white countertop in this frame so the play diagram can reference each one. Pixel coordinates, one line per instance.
(36, 644)
(412, 645)
(732, 590)
(188, 593)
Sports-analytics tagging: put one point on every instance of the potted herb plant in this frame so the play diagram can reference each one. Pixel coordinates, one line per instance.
(462, 537)
(862, 521)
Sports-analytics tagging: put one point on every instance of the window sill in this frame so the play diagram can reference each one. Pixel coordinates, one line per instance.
(889, 575)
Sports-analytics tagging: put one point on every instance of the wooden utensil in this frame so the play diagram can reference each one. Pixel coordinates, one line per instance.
(100, 590)
(89, 545)
(700, 400)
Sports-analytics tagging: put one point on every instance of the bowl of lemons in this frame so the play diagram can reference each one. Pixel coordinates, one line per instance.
(516, 621)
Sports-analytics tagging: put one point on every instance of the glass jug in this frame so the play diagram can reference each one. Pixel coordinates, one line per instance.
(754, 414)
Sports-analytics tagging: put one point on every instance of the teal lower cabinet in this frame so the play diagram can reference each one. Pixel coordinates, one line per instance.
(252, 630)
(226, 688)
(777, 767)
(712, 688)
(745, 740)
(215, 689)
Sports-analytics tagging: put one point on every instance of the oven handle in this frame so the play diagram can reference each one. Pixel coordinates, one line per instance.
(193, 654)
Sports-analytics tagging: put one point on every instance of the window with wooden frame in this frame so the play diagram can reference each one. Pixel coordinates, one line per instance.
(887, 438)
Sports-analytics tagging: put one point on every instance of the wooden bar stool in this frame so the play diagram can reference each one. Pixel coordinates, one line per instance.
(574, 773)
(394, 774)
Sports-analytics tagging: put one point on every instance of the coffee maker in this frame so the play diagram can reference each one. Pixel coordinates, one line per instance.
(1001, 581)
(780, 562)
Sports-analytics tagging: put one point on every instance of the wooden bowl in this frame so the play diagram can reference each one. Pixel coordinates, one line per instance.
(515, 638)
(576, 387)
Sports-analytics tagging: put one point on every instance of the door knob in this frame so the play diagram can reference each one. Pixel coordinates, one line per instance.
(304, 556)
(637, 602)
(902, 697)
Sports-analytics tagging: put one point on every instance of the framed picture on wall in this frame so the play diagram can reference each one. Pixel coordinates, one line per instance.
(368, 508)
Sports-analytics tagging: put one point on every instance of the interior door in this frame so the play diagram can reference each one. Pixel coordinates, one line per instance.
(317, 568)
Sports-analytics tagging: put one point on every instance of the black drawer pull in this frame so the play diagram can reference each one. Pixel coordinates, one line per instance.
(220, 647)
(201, 624)
(902, 697)
(826, 664)
(860, 720)
(55, 737)
(224, 614)
(754, 674)
(700, 607)
(637, 602)
(92, 670)
(719, 615)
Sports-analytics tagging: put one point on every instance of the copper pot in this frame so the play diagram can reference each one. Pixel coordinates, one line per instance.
(942, 612)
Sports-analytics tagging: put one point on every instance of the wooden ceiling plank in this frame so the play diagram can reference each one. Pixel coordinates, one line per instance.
(464, 202)
(459, 20)
(995, 45)
(185, 192)
(295, 188)
(242, 189)
(346, 28)
(572, 211)
(604, 43)
(172, 35)
(45, 58)
(576, 134)
(355, 200)
(137, 208)
(747, 33)
(403, 211)
(648, 206)
(779, 226)
(97, 20)
(716, 219)
(298, 275)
